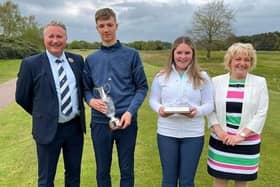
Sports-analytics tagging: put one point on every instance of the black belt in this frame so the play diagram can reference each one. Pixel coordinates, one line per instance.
(70, 122)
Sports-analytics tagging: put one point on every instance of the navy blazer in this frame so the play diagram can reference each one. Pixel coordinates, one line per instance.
(36, 94)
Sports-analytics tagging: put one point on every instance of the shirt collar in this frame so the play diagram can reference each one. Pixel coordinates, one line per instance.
(186, 70)
(53, 58)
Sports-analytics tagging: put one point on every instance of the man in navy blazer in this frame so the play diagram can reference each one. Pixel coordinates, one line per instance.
(38, 92)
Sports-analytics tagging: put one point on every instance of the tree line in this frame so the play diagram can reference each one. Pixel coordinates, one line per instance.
(21, 36)
(269, 41)
(139, 45)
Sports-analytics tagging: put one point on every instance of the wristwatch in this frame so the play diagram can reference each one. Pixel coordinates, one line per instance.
(242, 134)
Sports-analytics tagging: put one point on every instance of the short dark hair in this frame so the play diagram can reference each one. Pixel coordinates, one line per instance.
(104, 14)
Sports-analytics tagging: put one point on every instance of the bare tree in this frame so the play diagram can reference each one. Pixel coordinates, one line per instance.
(211, 22)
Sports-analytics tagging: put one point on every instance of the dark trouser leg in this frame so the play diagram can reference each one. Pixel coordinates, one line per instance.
(191, 149)
(125, 141)
(169, 157)
(72, 154)
(48, 155)
(103, 145)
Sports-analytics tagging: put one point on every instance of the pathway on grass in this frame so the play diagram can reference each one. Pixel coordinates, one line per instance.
(7, 93)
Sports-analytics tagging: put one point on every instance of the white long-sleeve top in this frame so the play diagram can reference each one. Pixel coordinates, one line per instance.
(175, 90)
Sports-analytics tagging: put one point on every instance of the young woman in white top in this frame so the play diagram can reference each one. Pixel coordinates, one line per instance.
(180, 86)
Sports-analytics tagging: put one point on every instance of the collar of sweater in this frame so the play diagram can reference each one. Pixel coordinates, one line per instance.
(111, 48)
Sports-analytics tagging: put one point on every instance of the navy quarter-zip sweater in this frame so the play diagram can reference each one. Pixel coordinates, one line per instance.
(119, 69)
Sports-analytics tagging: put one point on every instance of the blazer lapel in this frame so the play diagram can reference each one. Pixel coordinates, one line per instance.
(248, 95)
(48, 71)
(75, 69)
(73, 66)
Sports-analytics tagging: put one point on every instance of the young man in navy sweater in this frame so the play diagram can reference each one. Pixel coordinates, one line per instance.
(120, 71)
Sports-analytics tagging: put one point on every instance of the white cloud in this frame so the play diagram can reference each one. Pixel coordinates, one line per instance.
(148, 19)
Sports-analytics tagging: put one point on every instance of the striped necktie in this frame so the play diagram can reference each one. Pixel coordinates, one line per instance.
(66, 104)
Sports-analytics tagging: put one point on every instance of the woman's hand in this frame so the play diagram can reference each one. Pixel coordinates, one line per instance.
(164, 114)
(190, 113)
(219, 132)
(233, 139)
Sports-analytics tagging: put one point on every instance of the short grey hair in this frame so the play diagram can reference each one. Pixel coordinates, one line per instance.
(55, 23)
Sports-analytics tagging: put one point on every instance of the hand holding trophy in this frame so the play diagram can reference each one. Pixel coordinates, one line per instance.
(114, 122)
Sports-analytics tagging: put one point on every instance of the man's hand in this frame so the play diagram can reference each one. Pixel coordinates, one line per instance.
(125, 120)
(98, 104)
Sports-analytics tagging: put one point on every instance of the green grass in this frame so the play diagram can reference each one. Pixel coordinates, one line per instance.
(8, 69)
(18, 164)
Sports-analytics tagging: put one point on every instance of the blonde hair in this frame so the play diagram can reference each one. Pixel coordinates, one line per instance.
(194, 69)
(245, 49)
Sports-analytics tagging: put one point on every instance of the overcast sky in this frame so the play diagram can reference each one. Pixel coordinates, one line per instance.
(148, 19)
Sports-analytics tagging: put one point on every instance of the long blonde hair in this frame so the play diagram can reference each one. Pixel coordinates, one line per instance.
(194, 69)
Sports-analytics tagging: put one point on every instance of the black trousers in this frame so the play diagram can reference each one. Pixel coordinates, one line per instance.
(68, 139)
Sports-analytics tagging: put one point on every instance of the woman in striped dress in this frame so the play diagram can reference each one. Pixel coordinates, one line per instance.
(241, 104)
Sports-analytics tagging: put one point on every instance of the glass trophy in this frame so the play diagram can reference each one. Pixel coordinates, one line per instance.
(180, 105)
(110, 109)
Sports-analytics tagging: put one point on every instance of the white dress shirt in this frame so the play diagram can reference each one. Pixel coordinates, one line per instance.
(72, 86)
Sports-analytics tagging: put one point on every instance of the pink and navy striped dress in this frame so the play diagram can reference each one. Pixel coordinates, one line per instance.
(239, 162)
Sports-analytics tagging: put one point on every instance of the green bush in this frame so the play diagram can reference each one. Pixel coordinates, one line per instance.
(16, 48)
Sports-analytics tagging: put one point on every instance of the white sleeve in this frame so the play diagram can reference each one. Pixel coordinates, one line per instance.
(258, 121)
(207, 97)
(155, 95)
